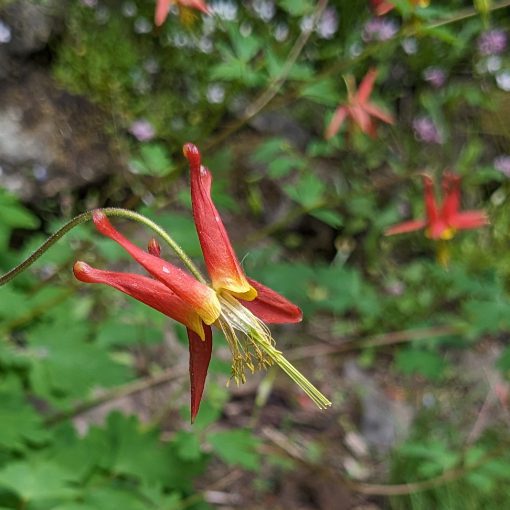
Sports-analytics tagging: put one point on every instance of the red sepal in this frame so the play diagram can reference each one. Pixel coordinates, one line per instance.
(406, 226)
(271, 307)
(199, 359)
(199, 296)
(144, 289)
(221, 261)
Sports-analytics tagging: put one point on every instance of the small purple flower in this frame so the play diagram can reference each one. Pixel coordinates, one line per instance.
(426, 131)
(379, 29)
(142, 130)
(502, 164)
(395, 288)
(89, 3)
(492, 42)
(435, 76)
(328, 23)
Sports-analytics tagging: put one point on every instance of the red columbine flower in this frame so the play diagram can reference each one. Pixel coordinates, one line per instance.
(358, 108)
(163, 6)
(442, 222)
(382, 7)
(237, 305)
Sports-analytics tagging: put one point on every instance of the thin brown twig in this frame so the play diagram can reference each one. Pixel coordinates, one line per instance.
(394, 337)
(117, 393)
(374, 489)
(468, 13)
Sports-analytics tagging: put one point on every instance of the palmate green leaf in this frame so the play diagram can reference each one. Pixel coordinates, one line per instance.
(14, 215)
(419, 361)
(19, 422)
(65, 366)
(308, 191)
(245, 47)
(270, 149)
(325, 91)
(38, 479)
(154, 160)
(486, 316)
(187, 445)
(114, 333)
(115, 498)
(296, 7)
(330, 217)
(282, 166)
(139, 453)
(236, 447)
(14, 302)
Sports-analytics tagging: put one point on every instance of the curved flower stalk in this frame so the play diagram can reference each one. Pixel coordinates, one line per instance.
(163, 6)
(237, 305)
(442, 221)
(358, 109)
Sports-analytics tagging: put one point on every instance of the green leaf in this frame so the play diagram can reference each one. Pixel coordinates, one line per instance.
(308, 191)
(296, 7)
(418, 361)
(232, 70)
(332, 218)
(187, 445)
(66, 366)
(19, 422)
(113, 333)
(37, 480)
(270, 149)
(236, 447)
(503, 362)
(323, 91)
(14, 215)
(154, 160)
(139, 453)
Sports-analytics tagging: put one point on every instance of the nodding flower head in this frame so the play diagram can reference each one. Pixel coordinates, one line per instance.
(237, 305)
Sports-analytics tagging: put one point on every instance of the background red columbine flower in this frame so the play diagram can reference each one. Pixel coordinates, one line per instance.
(441, 222)
(382, 7)
(163, 6)
(358, 108)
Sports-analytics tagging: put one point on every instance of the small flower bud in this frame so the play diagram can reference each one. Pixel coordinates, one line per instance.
(154, 248)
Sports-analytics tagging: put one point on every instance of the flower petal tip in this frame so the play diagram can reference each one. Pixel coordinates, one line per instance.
(192, 154)
(83, 272)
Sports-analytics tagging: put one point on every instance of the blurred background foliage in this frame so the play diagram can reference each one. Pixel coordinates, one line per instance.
(414, 356)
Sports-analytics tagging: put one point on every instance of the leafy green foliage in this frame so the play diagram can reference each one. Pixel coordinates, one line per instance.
(318, 210)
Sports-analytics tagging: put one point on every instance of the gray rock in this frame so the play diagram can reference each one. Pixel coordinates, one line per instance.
(50, 141)
(32, 24)
(383, 422)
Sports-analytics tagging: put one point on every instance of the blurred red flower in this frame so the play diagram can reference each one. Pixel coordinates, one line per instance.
(358, 108)
(381, 7)
(163, 6)
(441, 223)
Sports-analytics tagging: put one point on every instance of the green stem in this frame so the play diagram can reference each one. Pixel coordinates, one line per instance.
(86, 216)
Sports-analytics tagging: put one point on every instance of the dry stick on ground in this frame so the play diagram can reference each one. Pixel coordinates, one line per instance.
(301, 353)
(284, 444)
(394, 337)
(118, 392)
